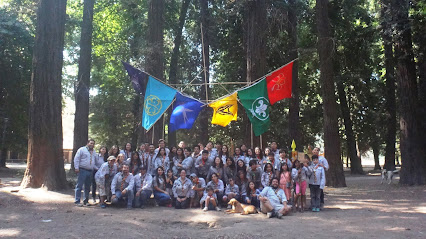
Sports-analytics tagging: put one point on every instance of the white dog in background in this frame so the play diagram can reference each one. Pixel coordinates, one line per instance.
(388, 175)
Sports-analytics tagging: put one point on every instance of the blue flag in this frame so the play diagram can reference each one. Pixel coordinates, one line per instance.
(138, 78)
(158, 97)
(185, 112)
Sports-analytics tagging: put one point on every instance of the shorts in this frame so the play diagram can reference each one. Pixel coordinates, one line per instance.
(301, 188)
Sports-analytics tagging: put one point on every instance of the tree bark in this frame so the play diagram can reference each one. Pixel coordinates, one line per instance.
(155, 55)
(81, 118)
(376, 153)
(412, 163)
(45, 164)
(356, 167)
(255, 35)
(294, 109)
(335, 175)
(390, 103)
(175, 58)
(205, 24)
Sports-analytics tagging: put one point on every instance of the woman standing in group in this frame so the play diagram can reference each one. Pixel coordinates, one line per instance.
(217, 169)
(114, 151)
(135, 163)
(177, 161)
(224, 154)
(161, 195)
(103, 154)
(162, 159)
(127, 151)
(230, 169)
(258, 156)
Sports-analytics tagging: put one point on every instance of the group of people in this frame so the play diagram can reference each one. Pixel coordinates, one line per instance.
(202, 176)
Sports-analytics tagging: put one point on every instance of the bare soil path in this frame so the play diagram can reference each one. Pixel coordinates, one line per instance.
(365, 209)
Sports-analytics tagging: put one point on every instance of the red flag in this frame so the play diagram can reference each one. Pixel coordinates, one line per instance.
(279, 83)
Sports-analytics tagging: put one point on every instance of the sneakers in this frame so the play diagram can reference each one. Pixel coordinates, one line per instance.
(279, 215)
(318, 210)
(77, 204)
(205, 209)
(217, 208)
(270, 214)
(314, 209)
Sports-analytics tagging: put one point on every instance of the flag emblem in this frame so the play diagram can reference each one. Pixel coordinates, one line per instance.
(153, 105)
(279, 82)
(225, 110)
(259, 108)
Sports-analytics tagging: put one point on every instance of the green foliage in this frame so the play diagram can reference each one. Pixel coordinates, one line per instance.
(16, 44)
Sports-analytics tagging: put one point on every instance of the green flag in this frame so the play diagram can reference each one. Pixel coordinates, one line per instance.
(256, 103)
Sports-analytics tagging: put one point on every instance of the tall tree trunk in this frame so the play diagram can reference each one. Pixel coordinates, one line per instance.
(255, 35)
(412, 162)
(376, 153)
(81, 119)
(45, 163)
(175, 58)
(155, 55)
(294, 109)
(135, 130)
(356, 167)
(335, 175)
(204, 114)
(390, 104)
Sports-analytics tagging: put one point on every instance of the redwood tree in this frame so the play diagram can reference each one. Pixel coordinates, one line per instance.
(255, 41)
(412, 161)
(155, 54)
(335, 175)
(81, 119)
(45, 162)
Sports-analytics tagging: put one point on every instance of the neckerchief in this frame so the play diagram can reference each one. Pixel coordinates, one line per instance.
(123, 182)
(276, 193)
(91, 154)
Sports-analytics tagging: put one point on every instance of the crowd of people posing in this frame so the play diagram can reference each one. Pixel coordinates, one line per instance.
(206, 177)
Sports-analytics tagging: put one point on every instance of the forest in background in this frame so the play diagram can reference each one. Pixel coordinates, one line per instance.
(373, 46)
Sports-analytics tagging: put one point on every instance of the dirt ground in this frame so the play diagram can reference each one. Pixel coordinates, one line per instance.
(364, 209)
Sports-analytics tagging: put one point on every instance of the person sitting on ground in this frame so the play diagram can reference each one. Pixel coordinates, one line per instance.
(182, 188)
(217, 168)
(231, 192)
(103, 178)
(161, 196)
(198, 187)
(252, 194)
(273, 201)
(217, 185)
(210, 200)
(254, 174)
(202, 165)
(267, 175)
(122, 187)
(317, 182)
(143, 184)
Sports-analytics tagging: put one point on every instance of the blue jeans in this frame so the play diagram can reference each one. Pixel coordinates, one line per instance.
(253, 201)
(84, 177)
(161, 198)
(120, 197)
(143, 198)
(315, 196)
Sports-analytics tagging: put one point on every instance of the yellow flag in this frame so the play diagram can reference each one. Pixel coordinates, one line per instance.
(225, 110)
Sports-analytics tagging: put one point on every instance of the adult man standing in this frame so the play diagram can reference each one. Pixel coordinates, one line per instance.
(122, 187)
(143, 183)
(151, 160)
(323, 163)
(84, 163)
(162, 144)
(273, 201)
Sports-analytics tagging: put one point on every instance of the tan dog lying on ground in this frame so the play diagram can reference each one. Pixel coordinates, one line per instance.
(238, 207)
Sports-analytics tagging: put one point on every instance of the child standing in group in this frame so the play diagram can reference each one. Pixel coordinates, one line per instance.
(317, 182)
(285, 180)
(300, 175)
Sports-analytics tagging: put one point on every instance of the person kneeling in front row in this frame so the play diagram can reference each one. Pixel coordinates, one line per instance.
(122, 187)
(273, 201)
